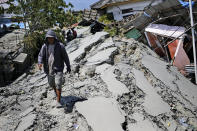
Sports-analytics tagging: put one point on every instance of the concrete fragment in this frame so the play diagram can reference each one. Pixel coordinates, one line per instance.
(100, 57)
(141, 125)
(26, 122)
(73, 45)
(27, 111)
(115, 86)
(43, 82)
(188, 89)
(153, 103)
(85, 43)
(3, 123)
(159, 70)
(124, 68)
(21, 62)
(37, 77)
(100, 69)
(107, 43)
(78, 85)
(102, 114)
(20, 58)
(87, 71)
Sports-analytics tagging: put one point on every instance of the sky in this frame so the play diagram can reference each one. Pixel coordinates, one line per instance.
(81, 4)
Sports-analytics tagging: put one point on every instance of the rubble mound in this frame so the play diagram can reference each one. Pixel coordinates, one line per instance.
(118, 84)
(12, 61)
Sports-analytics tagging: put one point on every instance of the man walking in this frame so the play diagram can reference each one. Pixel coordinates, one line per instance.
(52, 56)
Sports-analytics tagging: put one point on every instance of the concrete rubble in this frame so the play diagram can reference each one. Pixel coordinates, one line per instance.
(12, 60)
(118, 84)
(105, 110)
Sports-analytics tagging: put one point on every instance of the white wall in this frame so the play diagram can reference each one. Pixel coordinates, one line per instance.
(117, 10)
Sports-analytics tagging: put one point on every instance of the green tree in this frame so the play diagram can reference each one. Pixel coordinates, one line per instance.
(108, 21)
(40, 14)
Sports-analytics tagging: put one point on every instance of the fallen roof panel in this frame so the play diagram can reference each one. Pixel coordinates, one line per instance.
(165, 30)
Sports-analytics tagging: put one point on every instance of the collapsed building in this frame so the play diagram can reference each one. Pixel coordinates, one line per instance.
(163, 25)
(121, 9)
(169, 35)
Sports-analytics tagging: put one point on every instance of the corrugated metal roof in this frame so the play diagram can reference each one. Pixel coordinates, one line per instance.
(165, 30)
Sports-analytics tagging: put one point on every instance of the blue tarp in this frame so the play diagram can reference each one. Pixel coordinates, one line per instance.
(185, 4)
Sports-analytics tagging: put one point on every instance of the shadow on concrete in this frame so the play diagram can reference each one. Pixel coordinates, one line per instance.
(69, 102)
(6, 32)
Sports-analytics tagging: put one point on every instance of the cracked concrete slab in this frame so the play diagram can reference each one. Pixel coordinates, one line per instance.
(38, 76)
(102, 114)
(144, 125)
(159, 70)
(114, 101)
(107, 43)
(26, 122)
(3, 123)
(100, 57)
(86, 42)
(80, 84)
(188, 90)
(124, 68)
(100, 69)
(141, 123)
(115, 86)
(153, 102)
(27, 111)
(43, 82)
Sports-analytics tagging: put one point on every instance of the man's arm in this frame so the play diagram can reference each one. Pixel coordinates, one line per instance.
(40, 57)
(66, 58)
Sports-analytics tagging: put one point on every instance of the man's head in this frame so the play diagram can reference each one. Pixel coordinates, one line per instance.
(51, 37)
(50, 40)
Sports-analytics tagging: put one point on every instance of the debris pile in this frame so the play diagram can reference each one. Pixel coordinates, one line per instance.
(118, 84)
(166, 29)
(12, 61)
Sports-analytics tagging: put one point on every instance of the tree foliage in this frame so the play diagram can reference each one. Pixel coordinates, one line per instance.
(108, 21)
(41, 14)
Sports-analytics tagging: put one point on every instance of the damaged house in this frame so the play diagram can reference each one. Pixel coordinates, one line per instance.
(166, 28)
(176, 51)
(121, 9)
(161, 24)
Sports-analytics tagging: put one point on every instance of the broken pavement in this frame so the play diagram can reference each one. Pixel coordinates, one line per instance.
(129, 88)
